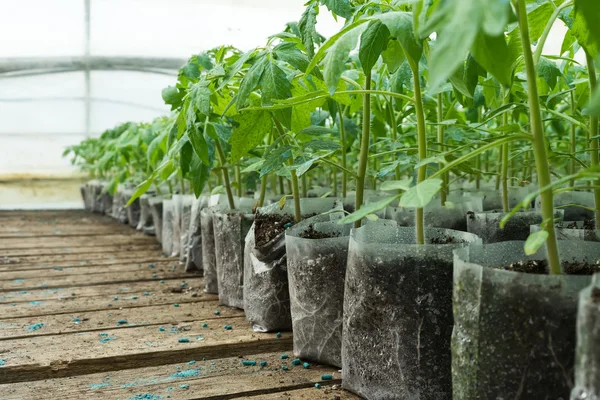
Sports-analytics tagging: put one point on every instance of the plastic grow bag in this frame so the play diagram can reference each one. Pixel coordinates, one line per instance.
(119, 201)
(176, 224)
(186, 216)
(168, 209)
(317, 252)
(486, 225)
(572, 230)
(193, 260)
(134, 209)
(514, 333)
(266, 293)
(398, 312)
(569, 202)
(156, 208)
(145, 223)
(587, 356)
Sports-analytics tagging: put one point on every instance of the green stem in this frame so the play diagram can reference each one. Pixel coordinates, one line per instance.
(594, 134)
(422, 144)
(539, 145)
(440, 139)
(170, 187)
(238, 179)
(343, 143)
(281, 186)
(294, 178)
(542, 40)
(364, 147)
(304, 186)
(504, 165)
(226, 182)
(274, 184)
(263, 191)
(394, 131)
(573, 140)
(334, 182)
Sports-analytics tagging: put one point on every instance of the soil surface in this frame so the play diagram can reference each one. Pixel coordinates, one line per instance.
(588, 224)
(541, 267)
(595, 295)
(268, 226)
(445, 240)
(311, 233)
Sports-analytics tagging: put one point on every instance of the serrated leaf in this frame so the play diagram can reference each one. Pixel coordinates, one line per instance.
(199, 173)
(372, 42)
(586, 26)
(253, 127)
(393, 56)
(235, 68)
(343, 8)
(400, 26)
(492, 53)
(185, 158)
(141, 189)
(274, 83)
(250, 81)
(548, 71)
(275, 159)
(334, 62)
(307, 27)
(535, 241)
(200, 96)
(326, 145)
(317, 131)
(367, 209)
(420, 195)
(254, 166)
(199, 145)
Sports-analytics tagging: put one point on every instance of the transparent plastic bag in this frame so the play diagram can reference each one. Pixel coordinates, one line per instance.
(193, 260)
(230, 230)
(168, 209)
(156, 208)
(317, 250)
(266, 293)
(398, 312)
(451, 216)
(572, 230)
(145, 224)
(176, 222)
(186, 216)
(486, 225)
(119, 201)
(514, 332)
(569, 202)
(587, 358)
(134, 209)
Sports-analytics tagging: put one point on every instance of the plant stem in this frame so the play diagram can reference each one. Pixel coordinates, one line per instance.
(539, 145)
(304, 185)
(294, 179)
(542, 40)
(334, 182)
(263, 191)
(343, 143)
(281, 186)
(364, 147)
(226, 182)
(504, 164)
(182, 186)
(499, 169)
(573, 140)
(238, 179)
(440, 139)
(422, 144)
(593, 134)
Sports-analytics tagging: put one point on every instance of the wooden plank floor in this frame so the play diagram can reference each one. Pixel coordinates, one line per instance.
(90, 308)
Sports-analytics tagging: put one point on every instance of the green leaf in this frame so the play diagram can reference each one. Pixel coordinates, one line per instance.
(334, 62)
(535, 241)
(472, 73)
(492, 53)
(307, 26)
(141, 189)
(252, 128)
(367, 209)
(250, 81)
(343, 8)
(199, 173)
(290, 53)
(172, 96)
(393, 56)
(199, 145)
(326, 145)
(594, 108)
(301, 112)
(397, 185)
(235, 68)
(586, 27)
(400, 26)
(274, 83)
(275, 159)
(200, 96)
(317, 131)
(372, 42)
(548, 71)
(420, 195)
(282, 202)
(185, 158)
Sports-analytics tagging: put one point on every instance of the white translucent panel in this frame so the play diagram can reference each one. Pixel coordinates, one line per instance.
(45, 116)
(52, 85)
(108, 115)
(179, 28)
(35, 154)
(37, 28)
(135, 87)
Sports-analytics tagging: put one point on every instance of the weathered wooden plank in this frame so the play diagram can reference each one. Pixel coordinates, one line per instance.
(21, 284)
(123, 318)
(118, 349)
(55, 258)
(80, 248)
(55, 271)
(70, 298)
(325, 392)
(6, 245)
(153, 258)
(209, 379)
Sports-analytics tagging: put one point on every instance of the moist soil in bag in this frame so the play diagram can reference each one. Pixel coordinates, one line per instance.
(514, 325)
(266, 292)
(587, 358)
(398, 313)
(317, 252)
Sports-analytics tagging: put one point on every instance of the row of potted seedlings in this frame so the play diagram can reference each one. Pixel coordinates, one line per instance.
(373, 192)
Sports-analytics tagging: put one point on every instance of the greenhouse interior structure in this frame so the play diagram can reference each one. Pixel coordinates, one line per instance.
(300, 199)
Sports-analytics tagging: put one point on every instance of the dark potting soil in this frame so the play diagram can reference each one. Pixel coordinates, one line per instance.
(268, 226)
(311, 233)
(410, 301)
(444, 240)
(541, 267)
(588, 224)
(595, 295)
